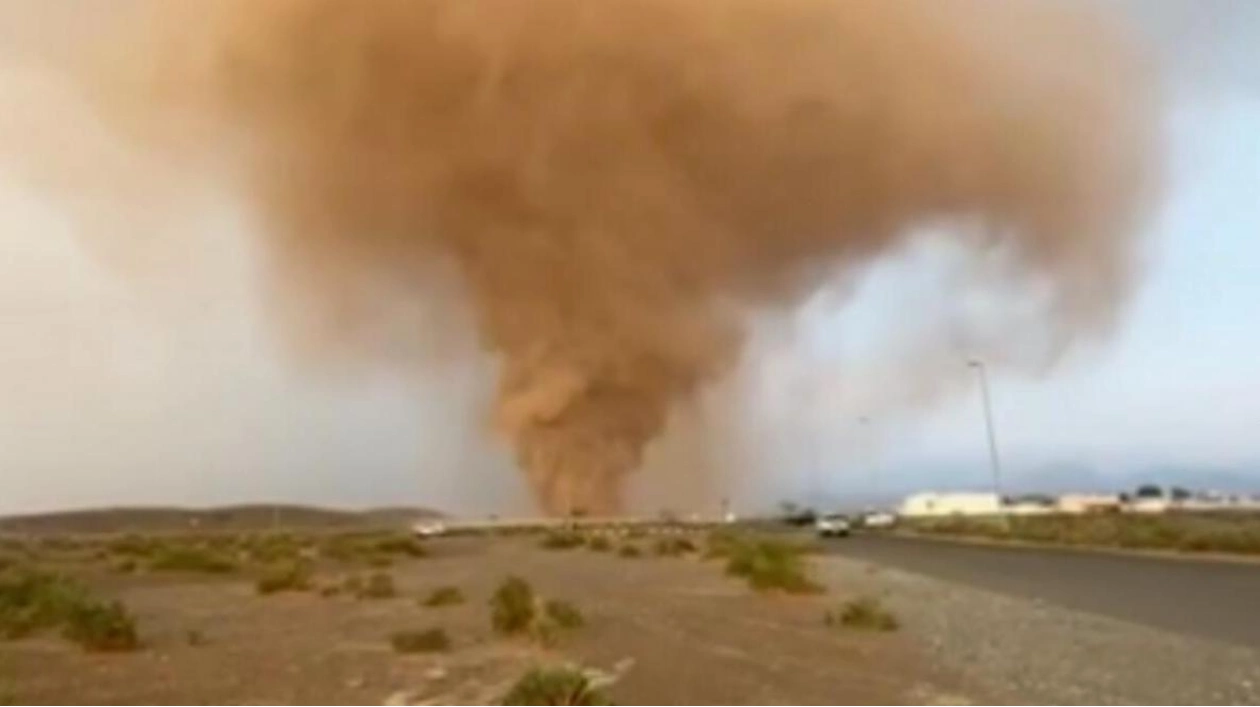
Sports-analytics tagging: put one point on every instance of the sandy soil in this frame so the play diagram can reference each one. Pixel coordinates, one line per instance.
(675, 629)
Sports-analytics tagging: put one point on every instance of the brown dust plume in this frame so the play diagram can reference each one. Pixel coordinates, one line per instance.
(617, 183)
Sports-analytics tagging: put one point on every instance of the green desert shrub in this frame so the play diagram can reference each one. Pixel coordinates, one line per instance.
(771, 565)
(512, 607)
(554, 686)
(101, 627)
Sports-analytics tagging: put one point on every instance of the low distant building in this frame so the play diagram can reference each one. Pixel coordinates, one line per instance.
(1088, 503)
(1032, 504)
(950, 504)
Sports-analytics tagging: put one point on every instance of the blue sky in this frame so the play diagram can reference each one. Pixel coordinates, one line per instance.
(97, 407)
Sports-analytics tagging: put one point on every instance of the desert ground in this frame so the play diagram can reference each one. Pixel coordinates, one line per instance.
(668, 626)
(357, 611)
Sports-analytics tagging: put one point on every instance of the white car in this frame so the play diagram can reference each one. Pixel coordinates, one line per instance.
(832, 526)
(428, 528)
(878, 519)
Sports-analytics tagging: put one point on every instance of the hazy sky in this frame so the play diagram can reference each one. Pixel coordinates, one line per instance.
(109, 394)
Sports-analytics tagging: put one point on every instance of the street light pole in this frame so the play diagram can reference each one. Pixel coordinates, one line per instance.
(994, 460)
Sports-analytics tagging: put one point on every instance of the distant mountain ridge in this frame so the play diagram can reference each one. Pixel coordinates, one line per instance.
(227, 518)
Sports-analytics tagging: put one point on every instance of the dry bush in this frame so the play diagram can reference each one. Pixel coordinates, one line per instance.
(554, 686)
(673, 547)
(378, 585)
(629, 550)
(127, 565)
(133, 545)
(101, 627)
(562, 540)
(865, 613)
(444, 596)
(190, 559)
(512, 607)
(400, 545)
(563, 614)
(428, 641)
(290, 577)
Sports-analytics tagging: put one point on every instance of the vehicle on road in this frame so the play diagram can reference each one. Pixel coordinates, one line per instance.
(428, 528)
(832, 526)
(878, 519)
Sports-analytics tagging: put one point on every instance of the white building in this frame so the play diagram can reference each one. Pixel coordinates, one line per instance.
(951, 504)
(1087, 503)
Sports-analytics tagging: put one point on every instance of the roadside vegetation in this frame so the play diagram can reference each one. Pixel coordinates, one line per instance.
(434, 640)
(444, 596)
(290, 577)
(1237, 533)
(555, 686)
(517, 611)
(674, 547)
(101, 627)
(865, 614)
(186, 558)
(32, 602)
(770, 565)
(562, 540)
(378, 585)
(563, 614)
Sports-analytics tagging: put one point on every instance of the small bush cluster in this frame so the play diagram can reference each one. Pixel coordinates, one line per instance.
(290, 577)
(378, 585)
(865, 613)
(372, 549)
(1185, 531)
(674, 547)
(515, 610)
(512, 609)
(564, 614)
(428, 641)
(554, 686)
(33, 601)
(181, 558)
(101, 627)
(771, 565)
(562, 540)
(629, 551)
(400, 545)
(444, 596)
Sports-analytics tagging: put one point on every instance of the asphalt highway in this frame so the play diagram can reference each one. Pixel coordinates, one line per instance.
(1214, 599)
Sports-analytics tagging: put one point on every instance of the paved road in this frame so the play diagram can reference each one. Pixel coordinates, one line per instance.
(1218, 600)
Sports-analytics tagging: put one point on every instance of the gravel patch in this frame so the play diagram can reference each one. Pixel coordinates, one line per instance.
(1027, 652)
